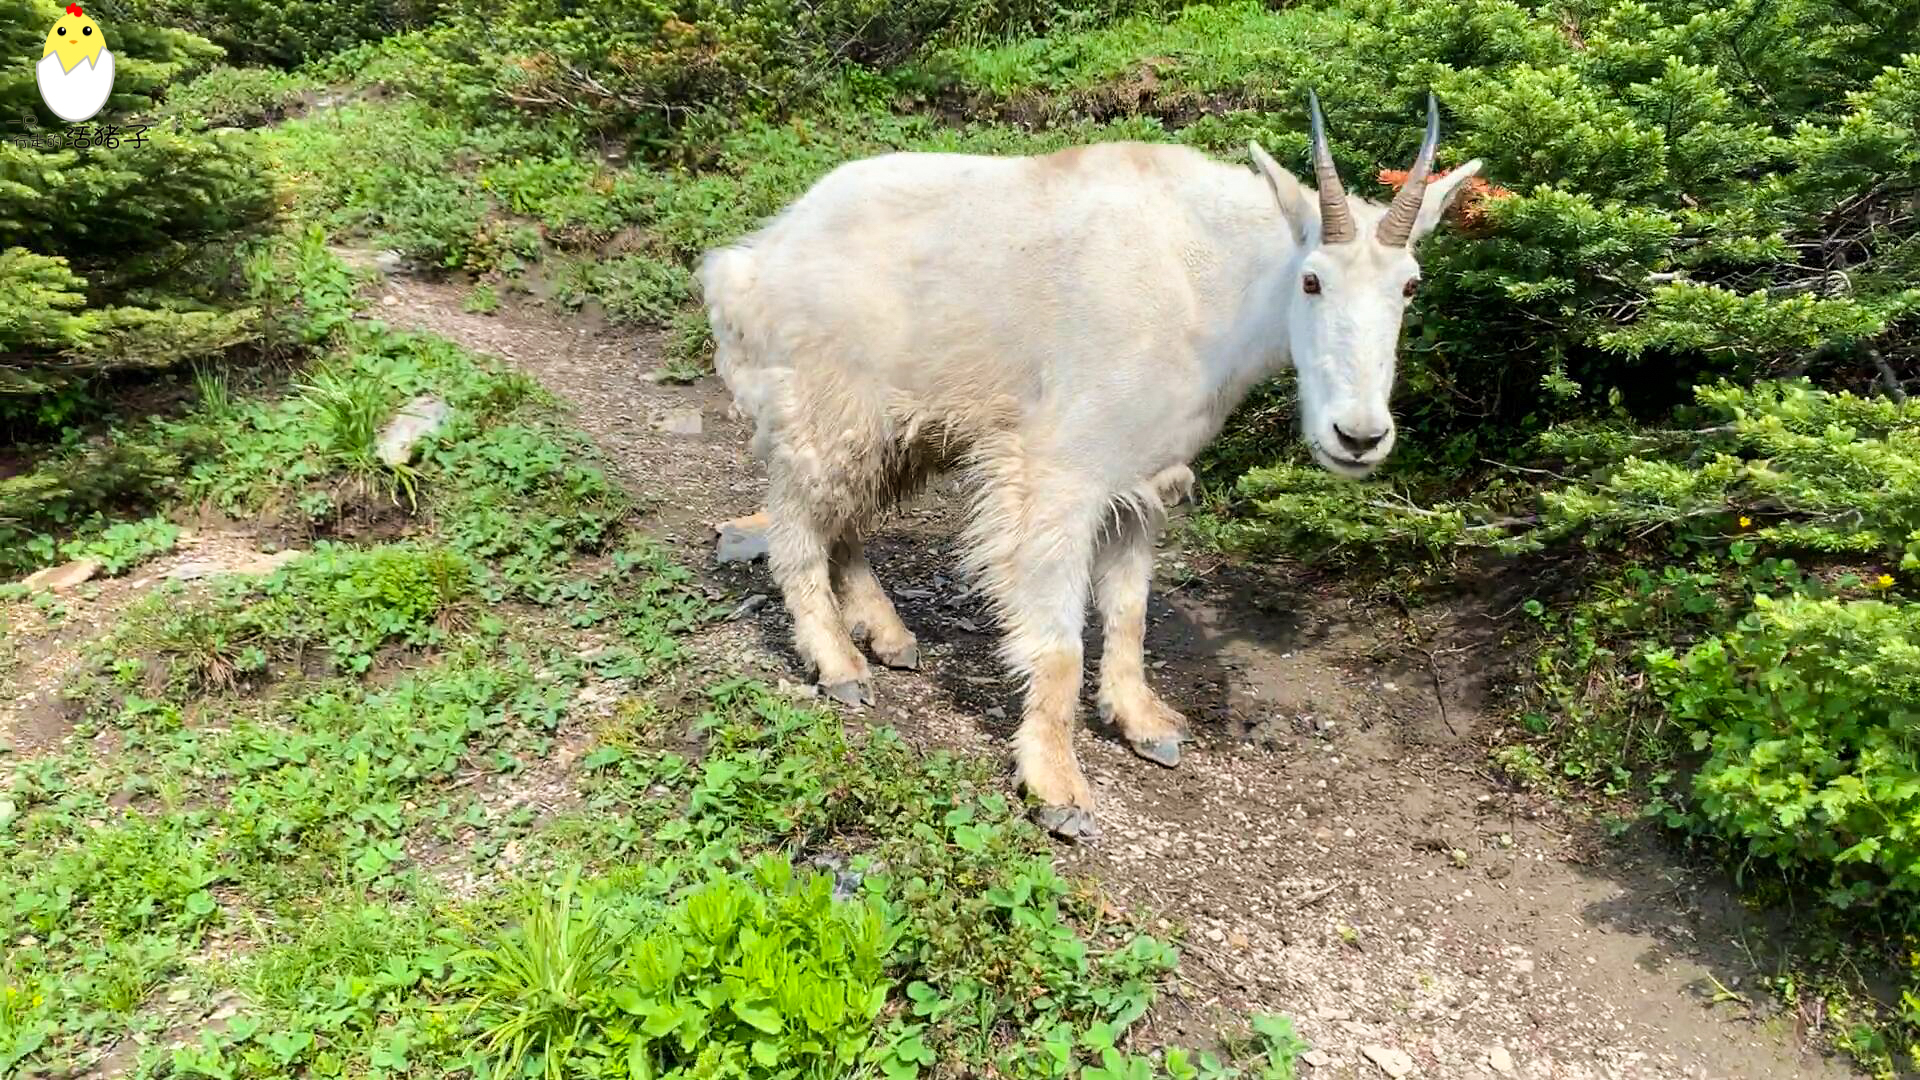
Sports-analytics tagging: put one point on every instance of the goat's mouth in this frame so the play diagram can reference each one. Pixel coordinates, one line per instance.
(1342, 465)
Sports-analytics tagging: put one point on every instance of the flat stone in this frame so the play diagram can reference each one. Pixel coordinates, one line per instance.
(1319, 1059)
(253, 564)
(63, 577)
(1394, 1063)
(417, 420)
(681, 421)
(742, 539)
(1500, 1061)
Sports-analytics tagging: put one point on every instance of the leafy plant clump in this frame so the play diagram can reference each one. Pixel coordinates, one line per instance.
(767, 974)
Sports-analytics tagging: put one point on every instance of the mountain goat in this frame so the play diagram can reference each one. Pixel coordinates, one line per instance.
(1065, 332)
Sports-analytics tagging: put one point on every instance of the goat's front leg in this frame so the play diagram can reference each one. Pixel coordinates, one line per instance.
(1173, 484)
(1123, 572)
(1033, 553)
(865, 608)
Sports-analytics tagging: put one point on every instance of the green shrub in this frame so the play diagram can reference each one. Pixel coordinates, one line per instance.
(401, 175)
(1806, 709)
(73, 492)
(647, 71)
(289, 32)
(116, 256)
(236, 97)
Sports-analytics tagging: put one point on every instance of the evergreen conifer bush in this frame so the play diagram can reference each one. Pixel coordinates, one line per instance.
(116, 256)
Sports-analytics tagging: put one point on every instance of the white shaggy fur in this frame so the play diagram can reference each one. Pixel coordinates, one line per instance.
(1067, 331)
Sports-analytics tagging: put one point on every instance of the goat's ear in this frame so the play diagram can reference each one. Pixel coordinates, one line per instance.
(1302, 212)
(1439, 195)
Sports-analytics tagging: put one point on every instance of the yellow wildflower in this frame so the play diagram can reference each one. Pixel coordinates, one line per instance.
(1745, 521)
(1884, 581)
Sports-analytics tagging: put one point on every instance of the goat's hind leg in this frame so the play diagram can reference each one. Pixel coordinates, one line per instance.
(865, 608)
(799, 557)
(1123, 573)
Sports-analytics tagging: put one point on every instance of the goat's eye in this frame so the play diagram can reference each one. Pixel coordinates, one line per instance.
(1310, 284)
(1412, 286)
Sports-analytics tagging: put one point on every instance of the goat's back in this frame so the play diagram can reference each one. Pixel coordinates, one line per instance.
(966, 289)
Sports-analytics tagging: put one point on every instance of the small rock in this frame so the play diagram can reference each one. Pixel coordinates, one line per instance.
(743, 539)
(1394, 1063)
(389, 300)
(416, 420)
(995, 712)
(1500, 1061)
(1319, 1059)
(1523, 967)
(799, 690)
(682, 421)
(1270, 734)
(968, 625)
(748, 606)
(64, 577)
(1238, 940)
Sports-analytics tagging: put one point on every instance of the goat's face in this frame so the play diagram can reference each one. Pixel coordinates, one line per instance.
(1348, 292)
(1344, 308)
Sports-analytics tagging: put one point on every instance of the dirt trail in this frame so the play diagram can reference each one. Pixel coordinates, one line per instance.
(1333, 843)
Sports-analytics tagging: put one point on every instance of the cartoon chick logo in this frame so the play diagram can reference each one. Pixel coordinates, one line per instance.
(76, 71)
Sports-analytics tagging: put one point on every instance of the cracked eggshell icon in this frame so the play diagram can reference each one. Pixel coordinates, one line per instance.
(76, 71)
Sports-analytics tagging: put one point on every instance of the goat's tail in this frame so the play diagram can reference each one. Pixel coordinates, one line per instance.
(728, 277)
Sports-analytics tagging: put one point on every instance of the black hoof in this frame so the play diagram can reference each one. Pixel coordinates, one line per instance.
(851, 692)
(907, 659)
(1159, 751)
(1067, 823)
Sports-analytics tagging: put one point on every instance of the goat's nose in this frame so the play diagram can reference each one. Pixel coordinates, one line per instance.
(1360, 442)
